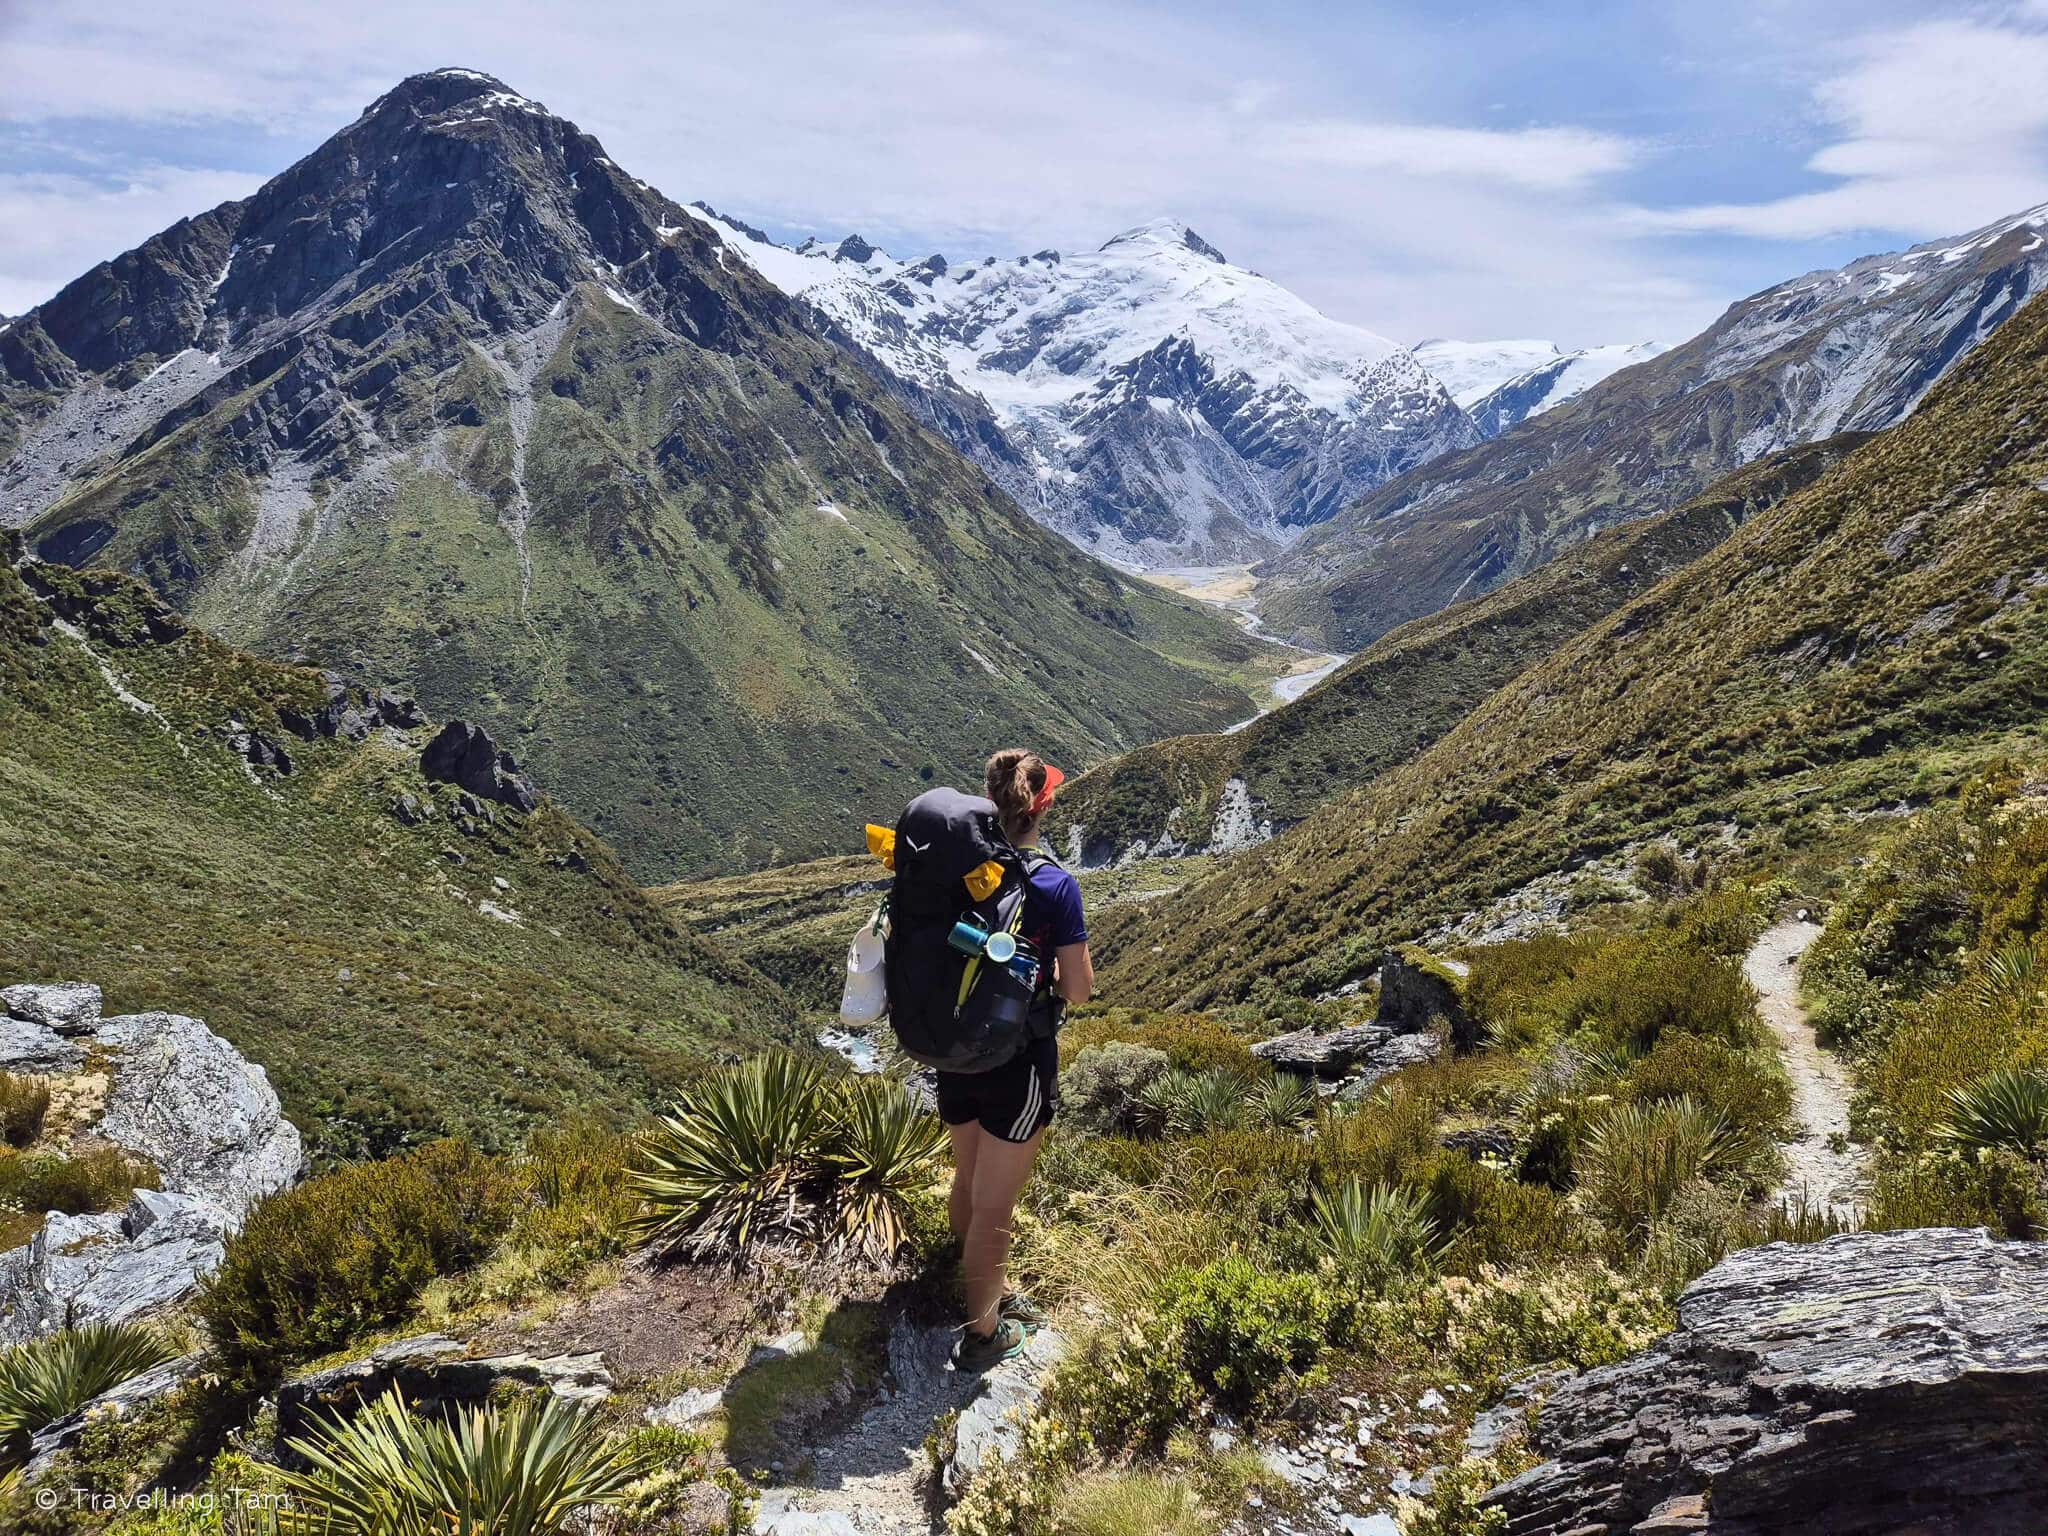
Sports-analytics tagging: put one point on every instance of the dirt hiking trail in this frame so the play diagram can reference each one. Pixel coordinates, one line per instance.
(1821, 1087)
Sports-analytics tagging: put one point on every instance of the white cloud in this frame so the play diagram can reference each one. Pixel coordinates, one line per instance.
(1943, 126)
(1547, 158)
(51, 219)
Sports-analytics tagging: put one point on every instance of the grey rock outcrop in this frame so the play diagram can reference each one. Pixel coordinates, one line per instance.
(431, 1369)
(464, 754)
(1875, 1384)
(1417, 988)
(1329, 1054)
(110, 1267)
(37, 1049)
(179, 1098)
(194, 1106)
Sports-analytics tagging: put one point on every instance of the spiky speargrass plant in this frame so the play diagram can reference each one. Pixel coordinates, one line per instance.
(518, 1470)
(45, 1379)
(729, 1164)
(1637, 1159)
(1283, 1101)
(1191, 1103)
(1375, 1233)
(2006, 1108)
(881, 1145)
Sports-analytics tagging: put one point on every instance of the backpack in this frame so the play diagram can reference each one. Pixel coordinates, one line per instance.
(952, 1010)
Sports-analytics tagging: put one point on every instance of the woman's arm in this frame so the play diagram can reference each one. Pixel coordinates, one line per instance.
(1073, 975)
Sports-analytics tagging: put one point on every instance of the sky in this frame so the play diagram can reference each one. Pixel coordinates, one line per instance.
(1585, 172)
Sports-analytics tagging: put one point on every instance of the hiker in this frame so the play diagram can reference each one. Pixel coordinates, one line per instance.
(998, 1118)
(985, 946)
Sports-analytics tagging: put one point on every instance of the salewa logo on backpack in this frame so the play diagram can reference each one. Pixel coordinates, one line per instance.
(961, 979)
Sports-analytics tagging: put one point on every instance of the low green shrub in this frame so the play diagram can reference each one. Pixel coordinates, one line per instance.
(97, 1179)
(1991, 1187)
(1193, 1042)
(318, 1264)
(1283, 1102)
(1746, 1087)
(1229, 1334)
(23, 1103)
(1487, 1218)
(1101, 1089)
(1481, 1328)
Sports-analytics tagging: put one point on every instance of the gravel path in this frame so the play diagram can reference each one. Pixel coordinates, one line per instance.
(1821, 1086)
(873, 1479)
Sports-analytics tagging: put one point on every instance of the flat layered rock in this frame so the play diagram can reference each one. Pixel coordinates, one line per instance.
(1876, 1384)
(1329, 1054)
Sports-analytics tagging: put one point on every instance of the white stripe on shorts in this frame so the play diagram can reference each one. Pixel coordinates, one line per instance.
(1033, 1097)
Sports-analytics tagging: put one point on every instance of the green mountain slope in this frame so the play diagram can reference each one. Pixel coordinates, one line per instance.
(404, 963)
(457, 404)
(1409, 687)
(1869, 639)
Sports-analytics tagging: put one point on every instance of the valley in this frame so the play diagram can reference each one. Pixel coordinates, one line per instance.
(1562, 832)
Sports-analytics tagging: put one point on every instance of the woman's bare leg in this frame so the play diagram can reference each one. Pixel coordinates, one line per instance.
(1000, 1169)
(960, 1201)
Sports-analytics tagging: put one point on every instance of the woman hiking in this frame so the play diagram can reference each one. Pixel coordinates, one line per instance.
(998, 1118)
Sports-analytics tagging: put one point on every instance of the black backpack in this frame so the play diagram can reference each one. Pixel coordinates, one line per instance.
(952, 1010)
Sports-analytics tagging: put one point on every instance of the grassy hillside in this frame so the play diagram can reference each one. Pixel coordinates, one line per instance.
(1870, 639)
(1408, 688)
(547, 459)
(397, 980)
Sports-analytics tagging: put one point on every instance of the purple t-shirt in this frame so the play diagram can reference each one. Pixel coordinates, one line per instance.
(1052, 910)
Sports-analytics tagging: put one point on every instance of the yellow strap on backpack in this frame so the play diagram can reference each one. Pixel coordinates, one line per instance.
(882, 844)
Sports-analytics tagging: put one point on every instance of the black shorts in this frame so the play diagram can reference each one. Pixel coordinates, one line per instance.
(1015, 1102)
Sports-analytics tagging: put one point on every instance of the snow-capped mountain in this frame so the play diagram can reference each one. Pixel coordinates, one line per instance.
(1504, 383)
(1853, 349)
(1472, 370)
(1564, 377)
(1150, 400)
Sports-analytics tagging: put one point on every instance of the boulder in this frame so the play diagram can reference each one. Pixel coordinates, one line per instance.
(1330, 1054)
(1874, 1384)
(196, 1108)
(110, 1267)
(116, 1402)
(1417, 988)
(430, 1369)
(69, 1007)
(464, 754)
(1386, 1060)
(178, 1097)
(1477, 1141)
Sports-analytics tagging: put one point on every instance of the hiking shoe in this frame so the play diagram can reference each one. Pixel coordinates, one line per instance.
(1019, 1308)
(977, 1352)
